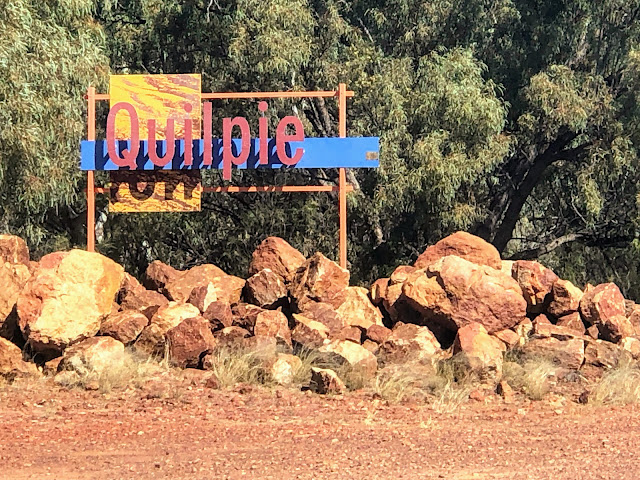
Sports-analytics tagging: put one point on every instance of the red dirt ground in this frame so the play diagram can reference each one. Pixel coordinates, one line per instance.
(192, 432)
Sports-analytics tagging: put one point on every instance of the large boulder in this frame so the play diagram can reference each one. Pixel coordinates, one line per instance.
(179, 288)
(219, 315)
(481, 353)
(124, 326)
(409, 342)
(227, 289)
(604, 307)
(357, 309)
(602, 354)
(454, 292)
(189, 342)
(566, 298)
(273, 323)
(319, 279)
(159, 274)
(278, 256)
(92, 356)
(266, 289)
(13, 278)
(463, 245)
(11, 363)
(308, 333)
(565, 353)
(358, 357)
(66, 299)
(152, 340)
(536, 282)
(13, 250)
(325, 314)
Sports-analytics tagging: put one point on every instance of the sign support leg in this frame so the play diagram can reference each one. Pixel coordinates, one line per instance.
(91, 194)
(342, 120)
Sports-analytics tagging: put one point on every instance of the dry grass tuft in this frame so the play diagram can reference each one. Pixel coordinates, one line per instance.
(619, 386)
(232, 366)
(530, 375)
(395, 384)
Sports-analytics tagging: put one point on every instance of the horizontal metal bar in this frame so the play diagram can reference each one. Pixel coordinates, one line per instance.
(255, 189)
(246, 95)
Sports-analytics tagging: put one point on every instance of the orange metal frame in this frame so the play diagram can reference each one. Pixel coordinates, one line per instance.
(343, 188)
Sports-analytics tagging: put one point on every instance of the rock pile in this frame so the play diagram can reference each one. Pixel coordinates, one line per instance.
(78, 310)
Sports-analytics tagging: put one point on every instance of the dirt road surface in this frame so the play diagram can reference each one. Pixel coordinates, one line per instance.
(191, 432)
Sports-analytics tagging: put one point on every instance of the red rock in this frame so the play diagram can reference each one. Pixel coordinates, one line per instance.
(510, 338)
(92, 356)
(124, 326)
(357, 309)
(378, 291)
(158, 274)
(51, 367)
(401, 273)
(524, 329)
(318, 280)
(189, 342)
(245, 315)
(179, 288)
(66, 299)
(568, 354)
(536, 282)
(634, 318)
(283, 368)
(324, 381)
(545, 330)
(266, 289)
(325, 314)
(13, 250)
(572, 321)
(505, 391)
(593, 332)
(541, 319)
(152, 340)
(373, 347)
(353, 354)
(13, 278)
(604, 306)
(230, 336)
(273, 323)
(219, 315)
(631, 345)
(262, 348)
(463, 245)
(226, 289)
(601, 354)
(11, 363)
(146, 301)
(278, 256)
(453, 293)
(378, 333)
(566, 298)
(409, 342)
(308, 333)
(480, 352)
(351, 334)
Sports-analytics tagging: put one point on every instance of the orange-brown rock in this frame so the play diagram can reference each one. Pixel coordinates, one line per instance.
(378, 333)
(219, 315)
(593, 332)
(179, 288)
(541, 319)
(266, 289)
(478, 351)
(11, 363)
(308, 333)
(277, 255)
(510, 338)
(572, 321)
(283, 368)
(318, 280)
(124, 326)
(66, 299)
(146, 301)
(409, 342)
(454, 292)
(189, 342)
(602, 354)
(358, 357)
(245, 315)
(92, 356)
(536, 282)
(357, 309)
(324, 381)
(351, 334)
(565, 298)
(325, 314)
(152, 340)
(261, 348)
(230, 336)
(545, 330)
(13, 250)
(378, 291)
(273, 323)
(568, 354)
(463, 245)
(159, 274)
(634, 318)
(631, 345)
(13, 278)
(401, 273)
(604, 306)
(226, 289)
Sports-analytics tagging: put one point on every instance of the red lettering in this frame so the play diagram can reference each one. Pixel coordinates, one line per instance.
(129, 155)
(263, 132)
(171, 143)
(207, 132)
(188, 137)
(282, 138)
(227, 154)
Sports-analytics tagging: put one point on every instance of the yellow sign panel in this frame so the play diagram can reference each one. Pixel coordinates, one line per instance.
(157, 191)
(159, 98)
